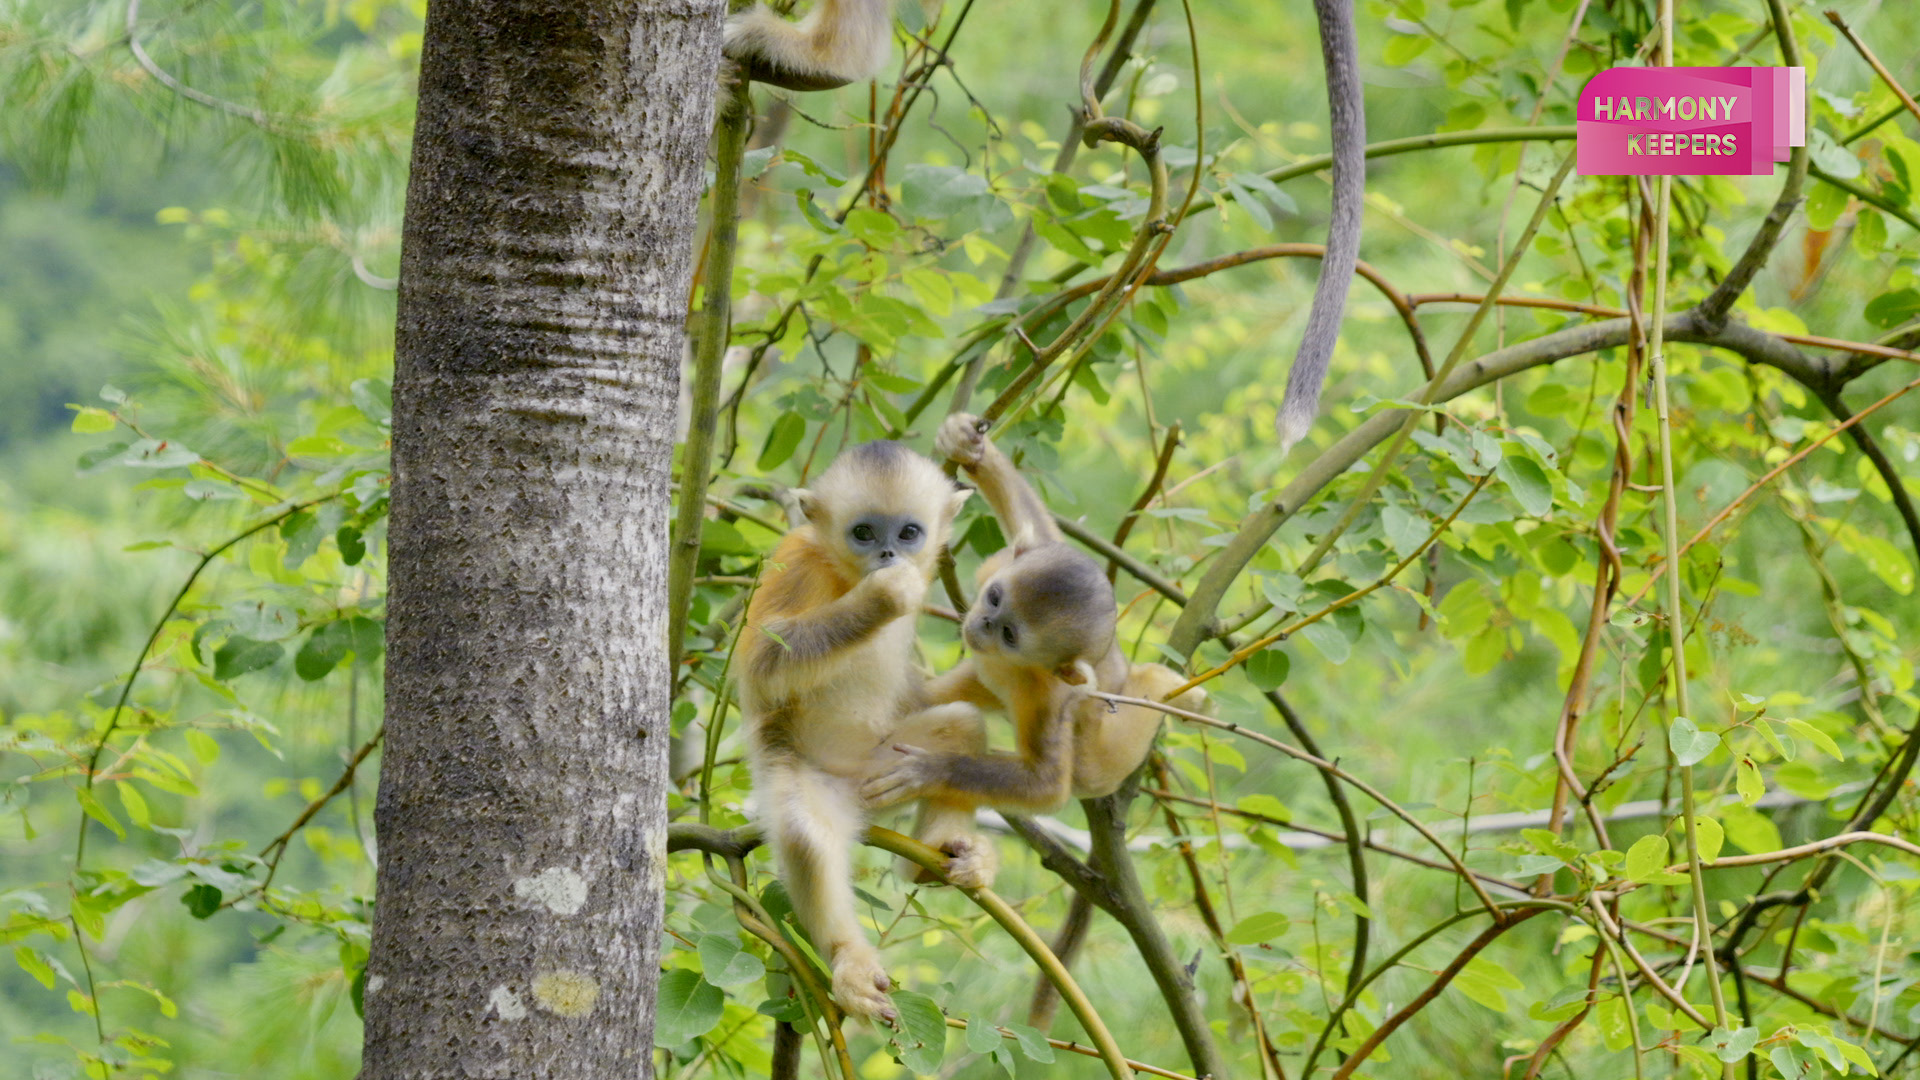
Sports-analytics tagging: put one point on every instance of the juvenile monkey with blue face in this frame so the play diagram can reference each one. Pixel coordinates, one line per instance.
(1041, 632)
(828, 683)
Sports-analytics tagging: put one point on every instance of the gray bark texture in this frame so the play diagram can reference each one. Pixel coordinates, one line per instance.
(557, 167)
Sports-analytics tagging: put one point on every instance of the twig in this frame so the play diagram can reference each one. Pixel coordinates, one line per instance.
(1873, 61)
(1319, 763)
(710, 349)
(1387, 1027)
(1241, 654)
(161, 76)
(1084, 1051)
(685, 836)
(126, 685)
(1670, 533)
(1125, 528)
(1768, 477)
(1378, 475)
(1024, 936)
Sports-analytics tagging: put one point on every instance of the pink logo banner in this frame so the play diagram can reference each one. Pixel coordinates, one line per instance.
(1690, 121)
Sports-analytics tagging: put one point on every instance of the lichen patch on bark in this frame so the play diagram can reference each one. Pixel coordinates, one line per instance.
(557, 888)
(566, 993)
(506, 1004)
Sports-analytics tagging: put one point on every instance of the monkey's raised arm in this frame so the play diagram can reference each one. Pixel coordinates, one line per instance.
(1023, 517)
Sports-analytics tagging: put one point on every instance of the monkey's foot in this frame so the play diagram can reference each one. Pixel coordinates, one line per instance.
(972, 861)
(860, 984)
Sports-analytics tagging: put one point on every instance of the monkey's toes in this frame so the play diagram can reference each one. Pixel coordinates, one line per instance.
(972, 862)
(860, 985)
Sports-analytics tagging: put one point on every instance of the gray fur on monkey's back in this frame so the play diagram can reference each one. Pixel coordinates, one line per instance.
(1347, 114)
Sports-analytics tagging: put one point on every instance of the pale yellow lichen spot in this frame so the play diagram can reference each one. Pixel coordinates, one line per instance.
(566, 993)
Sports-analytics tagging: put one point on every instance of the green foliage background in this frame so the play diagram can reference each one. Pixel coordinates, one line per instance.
(221, 266)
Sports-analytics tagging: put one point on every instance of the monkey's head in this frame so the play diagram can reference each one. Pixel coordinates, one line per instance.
(1047, 608)
(880, 504)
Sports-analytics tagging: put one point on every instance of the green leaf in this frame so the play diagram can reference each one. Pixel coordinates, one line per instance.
(687, 1006)
(1267, 669)
(1245, 200)
(1266, 806)
(1820, 739)
(1647, 859)
(1403, 48)
(1255, 929)
(353, 546)
(323, 649)
(981, 1037)
(1033, 1042)
(1751, 786)
(1831, 156)
(1528, 482)
(1329, 640)
(97, 810)
(1890, 309)
(724, 963)
(820, 222)
(135, 804)
(1825, 205)
(240, 655)
(1793, 1064)
(1708, 834)
(782, 441)
(202, 900)
(374, 399)
(1750, 830)
(35, 965)
(921, 1039)
(90, 421)
(1731, 1046)
(1483, 981)
(1689, 744)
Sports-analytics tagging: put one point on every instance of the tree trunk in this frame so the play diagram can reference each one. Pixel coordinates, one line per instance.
(544, 273)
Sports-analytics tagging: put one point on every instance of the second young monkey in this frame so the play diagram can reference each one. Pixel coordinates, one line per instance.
(1041, 632)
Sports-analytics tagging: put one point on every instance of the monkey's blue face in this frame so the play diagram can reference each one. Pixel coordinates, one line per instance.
(881, 540)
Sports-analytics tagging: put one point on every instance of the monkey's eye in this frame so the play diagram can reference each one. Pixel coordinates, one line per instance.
(993, 596)
(910, 532)
(863, 533)
(1007, 635)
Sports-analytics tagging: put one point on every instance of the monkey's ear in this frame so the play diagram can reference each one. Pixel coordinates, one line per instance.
(956, 501)
(808, 504)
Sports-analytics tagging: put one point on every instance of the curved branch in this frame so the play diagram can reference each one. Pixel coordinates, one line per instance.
(1197, 620)
(1896, 486)
(736, 843)
(1016, 928)
(161, 75)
